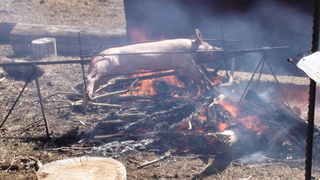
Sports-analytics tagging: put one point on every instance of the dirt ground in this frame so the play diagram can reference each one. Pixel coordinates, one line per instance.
(23, 136)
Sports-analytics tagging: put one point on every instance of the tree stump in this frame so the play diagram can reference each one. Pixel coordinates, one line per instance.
(44, 47)
(93, 168)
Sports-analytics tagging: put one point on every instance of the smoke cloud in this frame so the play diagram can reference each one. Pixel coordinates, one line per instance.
(257, 23)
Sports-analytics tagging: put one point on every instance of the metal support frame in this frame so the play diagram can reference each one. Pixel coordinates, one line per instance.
(262, 61)
(33, 74)
(83, 62)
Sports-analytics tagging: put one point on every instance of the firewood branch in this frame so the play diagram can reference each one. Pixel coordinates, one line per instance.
(166, 155)
(120, 80)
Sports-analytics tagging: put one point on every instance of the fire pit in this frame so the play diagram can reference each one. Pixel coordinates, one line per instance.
(171, 115)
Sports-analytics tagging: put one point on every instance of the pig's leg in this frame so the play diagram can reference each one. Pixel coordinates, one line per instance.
(93, 83)
(193, 72)
(87, 93)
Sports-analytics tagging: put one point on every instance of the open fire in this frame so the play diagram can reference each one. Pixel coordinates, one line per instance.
(150, 88)
(176, 87)
(175, 114)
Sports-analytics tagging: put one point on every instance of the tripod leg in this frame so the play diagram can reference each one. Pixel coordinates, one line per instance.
(41, 105)
(14, 104)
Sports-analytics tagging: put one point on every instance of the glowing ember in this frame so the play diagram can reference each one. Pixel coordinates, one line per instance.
(203, 114)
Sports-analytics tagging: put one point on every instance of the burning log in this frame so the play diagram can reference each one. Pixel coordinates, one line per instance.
(138, 76)
(208, 118)
(126, 95)
(197, 132)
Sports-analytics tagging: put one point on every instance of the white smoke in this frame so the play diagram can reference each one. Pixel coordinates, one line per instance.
(267, 23)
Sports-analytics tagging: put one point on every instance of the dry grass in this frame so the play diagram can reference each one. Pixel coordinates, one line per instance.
(83, 13)
(19, 139)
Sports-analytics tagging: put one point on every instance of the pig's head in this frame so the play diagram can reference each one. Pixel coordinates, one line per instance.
(205, 52)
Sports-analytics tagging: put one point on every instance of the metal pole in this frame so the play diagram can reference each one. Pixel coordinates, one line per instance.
(41, 105)
(312, 95)
(82, 64)
(259, 78)
(227, 53)
(225, 57)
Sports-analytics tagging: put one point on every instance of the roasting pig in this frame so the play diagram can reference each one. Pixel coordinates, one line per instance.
(144, 56)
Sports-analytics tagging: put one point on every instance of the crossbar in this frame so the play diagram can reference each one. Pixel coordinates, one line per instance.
(33, 63)
(222, 52)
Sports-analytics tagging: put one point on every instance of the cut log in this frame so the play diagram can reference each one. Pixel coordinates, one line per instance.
(67, 38)
(44, 47)
(93, 168)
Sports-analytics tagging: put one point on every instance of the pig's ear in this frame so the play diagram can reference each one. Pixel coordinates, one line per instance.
(198, 41)
(198, 35)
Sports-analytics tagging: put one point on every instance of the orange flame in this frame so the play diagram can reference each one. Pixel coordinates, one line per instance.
(216, 80)
(145, 87)
(232, 109)
(222, 126)
(138, 34)
(252, 122)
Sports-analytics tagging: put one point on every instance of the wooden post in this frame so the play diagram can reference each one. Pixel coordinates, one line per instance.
(44, 47)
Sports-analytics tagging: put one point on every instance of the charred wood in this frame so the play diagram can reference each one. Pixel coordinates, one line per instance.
(285, 130)
(128, 115)
(226, 139)
(166, 112)
(206, 118)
